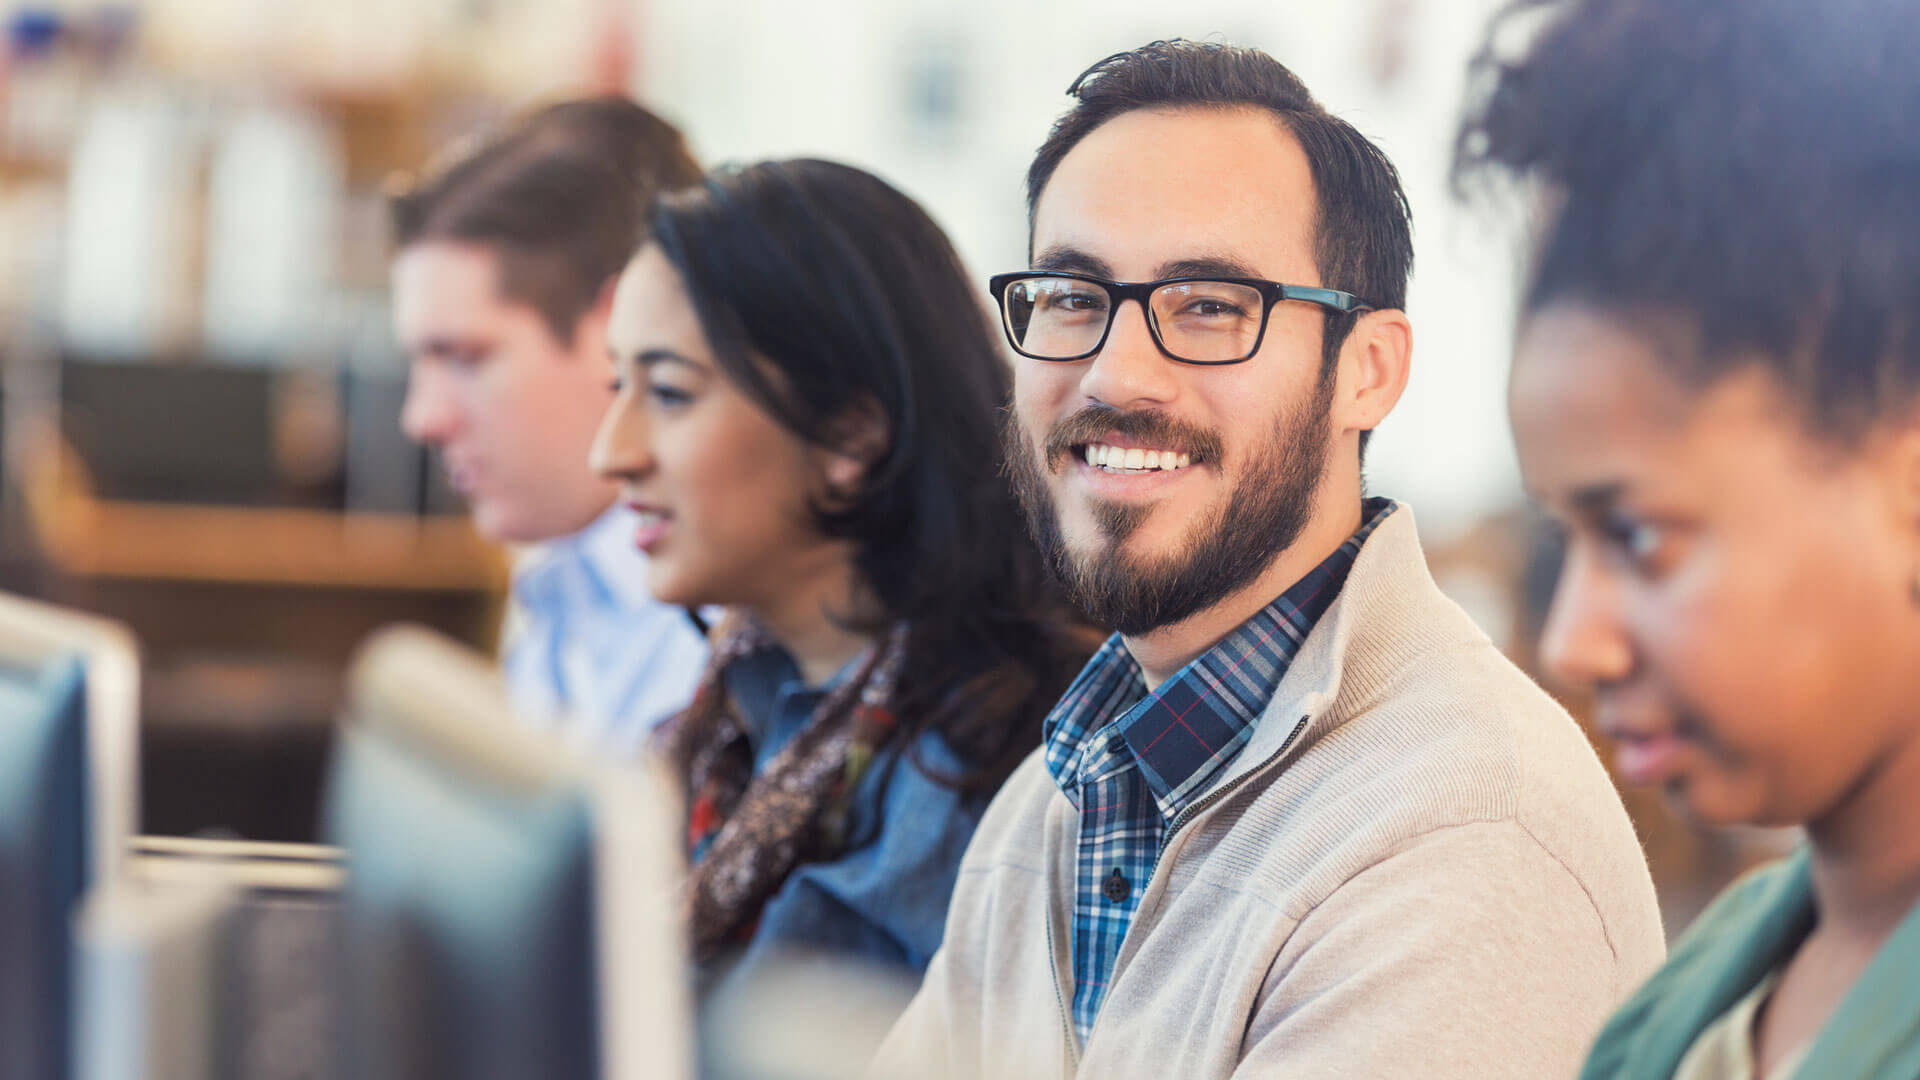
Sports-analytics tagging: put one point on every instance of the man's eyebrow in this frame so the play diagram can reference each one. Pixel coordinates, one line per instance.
(1206, 266)
(1072, 259)
(1067, 257)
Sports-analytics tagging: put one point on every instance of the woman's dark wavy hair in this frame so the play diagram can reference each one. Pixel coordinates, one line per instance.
(1751, 166)
(823, 292)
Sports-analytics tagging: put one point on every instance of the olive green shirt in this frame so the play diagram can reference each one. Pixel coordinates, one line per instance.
(1747, 935)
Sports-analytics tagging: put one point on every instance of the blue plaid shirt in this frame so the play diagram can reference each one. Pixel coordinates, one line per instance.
(1130, 761)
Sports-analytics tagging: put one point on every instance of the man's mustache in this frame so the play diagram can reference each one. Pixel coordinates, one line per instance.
(1094, 422)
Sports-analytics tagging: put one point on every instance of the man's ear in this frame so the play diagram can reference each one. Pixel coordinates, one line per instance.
(1374, 364)
(856, 439)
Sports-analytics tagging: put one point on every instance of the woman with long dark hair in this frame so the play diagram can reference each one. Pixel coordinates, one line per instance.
(806, 422)
(1716, 388)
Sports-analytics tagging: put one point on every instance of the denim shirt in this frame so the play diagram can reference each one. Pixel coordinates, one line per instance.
(884, 898)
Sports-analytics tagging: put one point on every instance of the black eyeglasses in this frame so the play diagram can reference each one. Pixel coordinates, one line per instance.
(1056, 315)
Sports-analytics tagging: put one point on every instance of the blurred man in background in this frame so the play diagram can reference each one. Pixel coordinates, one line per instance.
(507, 253)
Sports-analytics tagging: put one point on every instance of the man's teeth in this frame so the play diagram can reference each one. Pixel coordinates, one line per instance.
(1134, 459)
(650, 518)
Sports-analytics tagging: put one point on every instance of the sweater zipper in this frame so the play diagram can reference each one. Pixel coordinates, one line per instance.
(1060, 1001)
(1215, 796)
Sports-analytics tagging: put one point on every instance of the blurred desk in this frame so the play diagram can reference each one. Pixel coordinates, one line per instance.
(234, 474)
(249, 588)
(247, 617)
(314, 871)
(85, 537)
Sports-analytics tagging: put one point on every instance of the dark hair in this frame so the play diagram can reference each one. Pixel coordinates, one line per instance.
(558, 193)
(1750, 166)
(1363, 228)
(824, 292)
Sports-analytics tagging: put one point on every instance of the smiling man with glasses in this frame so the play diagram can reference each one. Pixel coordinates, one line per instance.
(1299, 817)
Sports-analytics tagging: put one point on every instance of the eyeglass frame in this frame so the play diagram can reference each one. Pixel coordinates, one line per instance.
(1119, 292)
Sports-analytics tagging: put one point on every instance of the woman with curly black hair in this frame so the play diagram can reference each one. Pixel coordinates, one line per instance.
(1716, 389)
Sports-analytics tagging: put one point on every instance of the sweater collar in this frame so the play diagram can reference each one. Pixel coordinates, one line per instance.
(1387, 615)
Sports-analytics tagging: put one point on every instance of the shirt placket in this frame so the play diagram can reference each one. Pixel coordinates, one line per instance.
(1116, 835)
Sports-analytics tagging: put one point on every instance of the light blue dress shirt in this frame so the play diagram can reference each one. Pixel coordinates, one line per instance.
(590, 653)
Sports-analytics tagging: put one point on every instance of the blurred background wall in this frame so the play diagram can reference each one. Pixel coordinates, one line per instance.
(198, 392)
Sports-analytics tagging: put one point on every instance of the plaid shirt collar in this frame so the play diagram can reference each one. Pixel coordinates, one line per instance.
(1184, 733)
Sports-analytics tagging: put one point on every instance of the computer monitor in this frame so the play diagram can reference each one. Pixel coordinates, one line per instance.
(275, 996)
(152, 980)
(43, 859)
(68, 701)
(509, 908)
(33, 633)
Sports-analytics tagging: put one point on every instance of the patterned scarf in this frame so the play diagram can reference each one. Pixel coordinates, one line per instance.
(747, 831)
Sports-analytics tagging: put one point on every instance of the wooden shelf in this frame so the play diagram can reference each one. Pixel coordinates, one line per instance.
(270, 546)
(85, 536)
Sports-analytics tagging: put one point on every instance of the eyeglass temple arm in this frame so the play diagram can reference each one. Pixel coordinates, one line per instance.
(1344, 302)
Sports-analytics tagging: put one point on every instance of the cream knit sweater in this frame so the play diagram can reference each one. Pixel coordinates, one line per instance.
(1416, 868)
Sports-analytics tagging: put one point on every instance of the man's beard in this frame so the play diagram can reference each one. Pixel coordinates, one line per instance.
(1230, 545)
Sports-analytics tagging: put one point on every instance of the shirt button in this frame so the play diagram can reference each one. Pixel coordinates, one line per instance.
(1117, 888)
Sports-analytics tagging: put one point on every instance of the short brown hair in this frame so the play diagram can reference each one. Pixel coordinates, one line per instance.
(560, 193)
